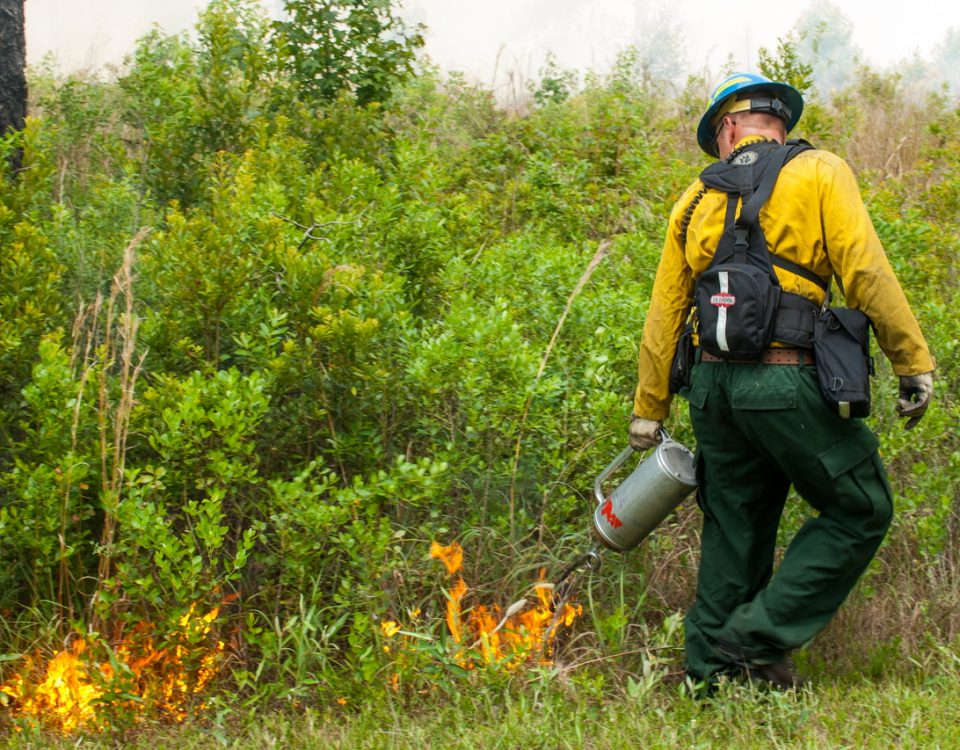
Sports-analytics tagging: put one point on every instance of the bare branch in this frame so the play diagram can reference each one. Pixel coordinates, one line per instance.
(308, 231)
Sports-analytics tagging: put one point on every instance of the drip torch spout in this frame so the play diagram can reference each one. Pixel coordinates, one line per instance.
(594, 560)
(562, 586)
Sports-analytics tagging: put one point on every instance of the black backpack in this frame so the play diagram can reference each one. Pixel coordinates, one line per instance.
(741, 307)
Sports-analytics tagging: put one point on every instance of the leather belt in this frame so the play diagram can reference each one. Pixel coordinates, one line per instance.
(769, 357)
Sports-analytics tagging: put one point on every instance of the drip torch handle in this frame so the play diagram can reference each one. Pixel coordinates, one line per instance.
(616, 464)
(605, 474)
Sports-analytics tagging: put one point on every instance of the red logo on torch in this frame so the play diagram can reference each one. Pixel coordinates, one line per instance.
(607, 512)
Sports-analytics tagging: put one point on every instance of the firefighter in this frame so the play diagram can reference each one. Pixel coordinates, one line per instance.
(763, 426)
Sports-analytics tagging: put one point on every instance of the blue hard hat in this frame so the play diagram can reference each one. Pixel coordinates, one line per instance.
(782, 100)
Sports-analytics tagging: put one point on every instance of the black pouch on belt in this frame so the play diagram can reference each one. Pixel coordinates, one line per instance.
(841, 345)
(683, 360)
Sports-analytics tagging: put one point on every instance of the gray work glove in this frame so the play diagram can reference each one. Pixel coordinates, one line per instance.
(915, 394)
(644, 433)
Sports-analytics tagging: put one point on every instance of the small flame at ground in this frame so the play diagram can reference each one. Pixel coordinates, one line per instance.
(70, 692)
(526, 631)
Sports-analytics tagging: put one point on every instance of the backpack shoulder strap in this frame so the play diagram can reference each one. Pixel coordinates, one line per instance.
(748, 221)
(750, 213)
(751, 209)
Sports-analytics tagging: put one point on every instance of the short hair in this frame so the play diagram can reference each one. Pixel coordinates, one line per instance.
(764, 120)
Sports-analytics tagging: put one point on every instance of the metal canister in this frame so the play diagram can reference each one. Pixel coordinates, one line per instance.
(636, 507)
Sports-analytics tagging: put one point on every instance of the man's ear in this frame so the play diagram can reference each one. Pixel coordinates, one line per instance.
(723, 129)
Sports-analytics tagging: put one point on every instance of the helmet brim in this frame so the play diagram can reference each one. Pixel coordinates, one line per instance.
(706, 134)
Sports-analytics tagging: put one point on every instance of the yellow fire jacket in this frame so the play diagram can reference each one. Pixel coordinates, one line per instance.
(815, 217)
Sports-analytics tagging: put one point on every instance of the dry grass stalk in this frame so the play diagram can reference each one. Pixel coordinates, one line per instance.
(83, 340)
(117, 350)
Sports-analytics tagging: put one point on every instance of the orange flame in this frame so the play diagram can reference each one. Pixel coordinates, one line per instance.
(451, 555)
(66, 694)
(453, 609)
(142, 677)
(524, 632)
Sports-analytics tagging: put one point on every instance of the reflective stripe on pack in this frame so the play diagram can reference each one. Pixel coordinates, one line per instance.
(722, 316)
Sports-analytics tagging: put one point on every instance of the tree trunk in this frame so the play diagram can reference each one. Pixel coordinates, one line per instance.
(13, 80)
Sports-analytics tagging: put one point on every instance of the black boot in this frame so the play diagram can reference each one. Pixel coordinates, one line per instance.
(781, 675)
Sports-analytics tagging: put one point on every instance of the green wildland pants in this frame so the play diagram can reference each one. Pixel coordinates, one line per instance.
(759, 429)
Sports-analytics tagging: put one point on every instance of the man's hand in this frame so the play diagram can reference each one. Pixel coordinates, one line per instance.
(915, 394)
(644, 433)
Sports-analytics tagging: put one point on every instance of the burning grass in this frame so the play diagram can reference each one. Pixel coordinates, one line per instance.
(487, 634)
(75, 690)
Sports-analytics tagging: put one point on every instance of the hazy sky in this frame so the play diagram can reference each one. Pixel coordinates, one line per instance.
(479, 36)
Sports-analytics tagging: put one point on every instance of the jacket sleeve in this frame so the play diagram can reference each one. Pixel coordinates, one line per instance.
(859, 261)
(669, 306)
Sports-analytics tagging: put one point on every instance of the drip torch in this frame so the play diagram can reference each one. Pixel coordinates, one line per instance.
(625, 517)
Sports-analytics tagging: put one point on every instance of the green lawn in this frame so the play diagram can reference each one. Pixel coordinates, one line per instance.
(917, 711)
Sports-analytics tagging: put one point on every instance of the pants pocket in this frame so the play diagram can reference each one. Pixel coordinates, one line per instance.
(859, 479)
(761, 397)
